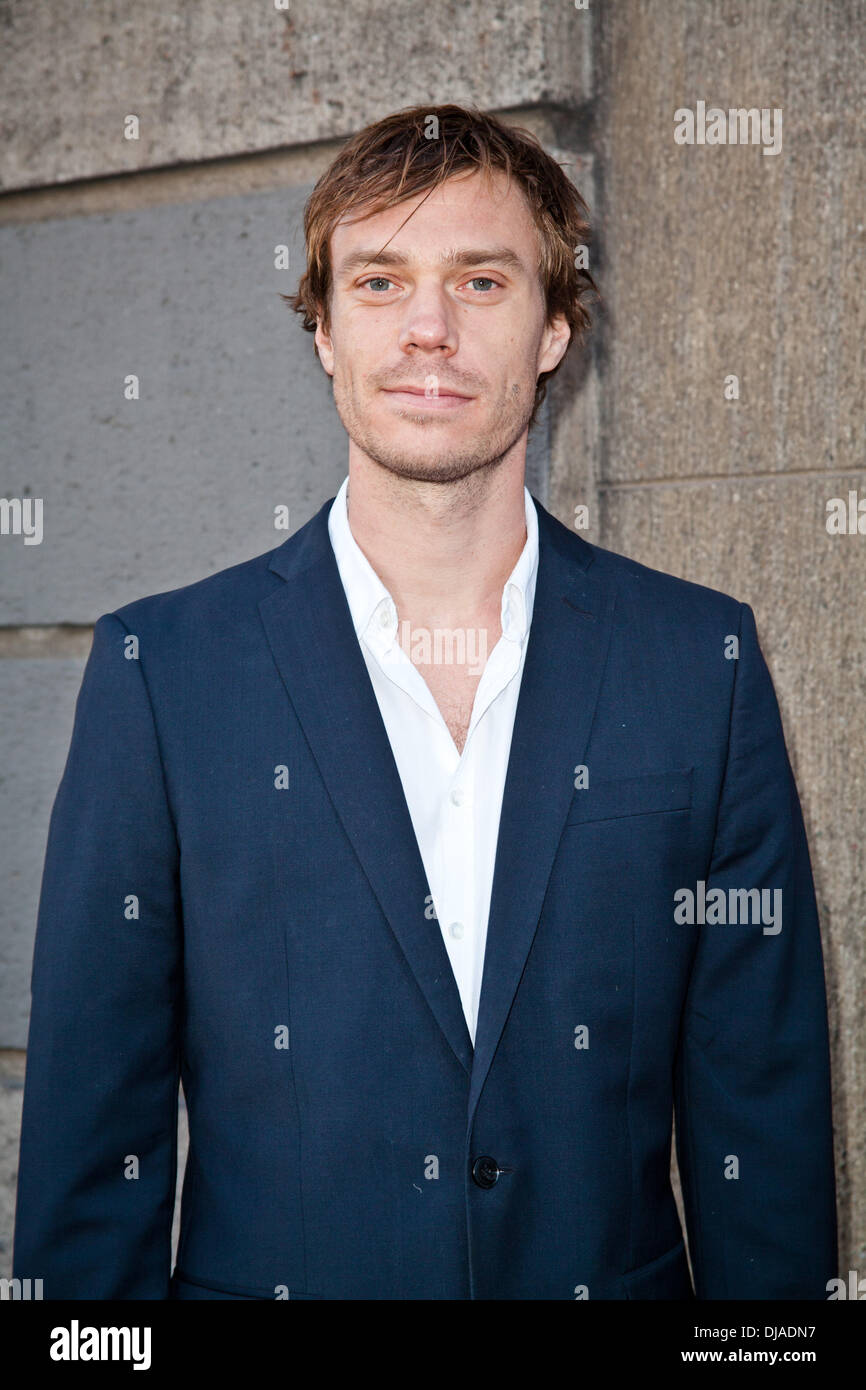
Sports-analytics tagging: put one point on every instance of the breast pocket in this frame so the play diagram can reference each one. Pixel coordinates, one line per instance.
(647, 794)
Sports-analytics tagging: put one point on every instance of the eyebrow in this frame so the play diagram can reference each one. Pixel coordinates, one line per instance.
(453, 259)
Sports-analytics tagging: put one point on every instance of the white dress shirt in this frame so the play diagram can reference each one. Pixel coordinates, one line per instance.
(454, 799)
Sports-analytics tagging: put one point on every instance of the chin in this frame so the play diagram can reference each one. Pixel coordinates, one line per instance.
(443, 466)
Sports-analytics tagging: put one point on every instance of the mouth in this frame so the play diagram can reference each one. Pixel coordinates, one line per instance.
(417, 397)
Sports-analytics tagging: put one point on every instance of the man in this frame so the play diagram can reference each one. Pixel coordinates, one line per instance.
(437, 938)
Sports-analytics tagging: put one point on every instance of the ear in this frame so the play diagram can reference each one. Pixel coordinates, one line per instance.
(325, 347)
(554, 341)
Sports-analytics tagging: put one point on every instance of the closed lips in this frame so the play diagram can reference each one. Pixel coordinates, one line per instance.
(421, 391)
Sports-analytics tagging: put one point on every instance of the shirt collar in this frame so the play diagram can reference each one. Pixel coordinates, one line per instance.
(374, 614)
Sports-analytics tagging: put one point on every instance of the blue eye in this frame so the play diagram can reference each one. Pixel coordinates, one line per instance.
(373, 280)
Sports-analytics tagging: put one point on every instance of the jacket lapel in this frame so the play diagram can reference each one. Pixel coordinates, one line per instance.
(310, 631)
(565, 655)
(312, 637)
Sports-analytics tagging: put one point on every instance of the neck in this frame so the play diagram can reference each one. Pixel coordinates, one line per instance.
(443, 550)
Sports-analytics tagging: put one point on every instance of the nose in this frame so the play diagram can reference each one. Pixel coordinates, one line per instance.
(429, 324)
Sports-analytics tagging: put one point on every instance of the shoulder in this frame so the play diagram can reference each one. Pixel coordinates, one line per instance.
(221, 599)
(644, 592)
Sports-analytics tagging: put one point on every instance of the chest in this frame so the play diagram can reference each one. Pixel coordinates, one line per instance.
(452, 666)
(453, 688)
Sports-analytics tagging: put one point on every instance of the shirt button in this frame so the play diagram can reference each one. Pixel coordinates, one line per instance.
(456, 930)
(457, 797)
(385, 616)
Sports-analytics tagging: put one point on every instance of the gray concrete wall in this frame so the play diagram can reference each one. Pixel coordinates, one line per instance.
(155, 256)
(721, 260)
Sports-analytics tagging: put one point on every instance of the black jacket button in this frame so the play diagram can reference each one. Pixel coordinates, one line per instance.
(485, 1171)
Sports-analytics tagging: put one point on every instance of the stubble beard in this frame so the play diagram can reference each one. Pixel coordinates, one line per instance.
(439, 464)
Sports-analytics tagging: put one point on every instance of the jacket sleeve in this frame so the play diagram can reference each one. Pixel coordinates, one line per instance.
(754, 1131)
(96, 1176)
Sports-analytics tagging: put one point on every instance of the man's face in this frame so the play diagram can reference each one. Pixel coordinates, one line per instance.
(453, 304)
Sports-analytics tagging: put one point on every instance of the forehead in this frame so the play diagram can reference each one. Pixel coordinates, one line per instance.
(466, 210)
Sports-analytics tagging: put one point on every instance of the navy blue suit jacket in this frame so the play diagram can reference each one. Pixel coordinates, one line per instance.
(233, 895)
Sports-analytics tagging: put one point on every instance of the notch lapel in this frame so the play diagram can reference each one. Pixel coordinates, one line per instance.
(568, 641)
(309, 627)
